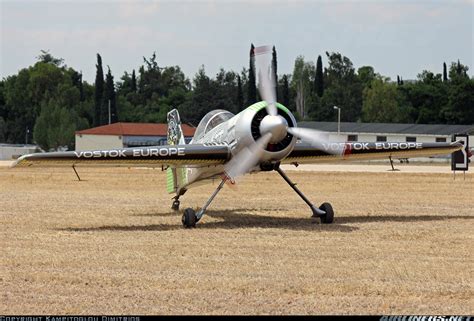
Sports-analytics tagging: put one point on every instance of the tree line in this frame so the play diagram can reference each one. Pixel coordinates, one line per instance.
(47, 102)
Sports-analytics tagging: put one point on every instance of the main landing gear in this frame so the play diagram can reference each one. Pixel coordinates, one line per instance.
(190, 217)
(324, 212)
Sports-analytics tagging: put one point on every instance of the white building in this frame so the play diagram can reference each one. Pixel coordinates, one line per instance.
(382, 132)
(122, 135)
(13, 151)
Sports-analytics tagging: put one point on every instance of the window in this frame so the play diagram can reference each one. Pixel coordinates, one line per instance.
(441, 139)
(381, 138)
(351, 138)
(411, 139)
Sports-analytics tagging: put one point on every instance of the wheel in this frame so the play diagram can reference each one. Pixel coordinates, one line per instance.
(189, 218)
(328, 218)
(175, 206)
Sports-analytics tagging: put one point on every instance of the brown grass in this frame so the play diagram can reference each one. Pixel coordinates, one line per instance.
(401, 244)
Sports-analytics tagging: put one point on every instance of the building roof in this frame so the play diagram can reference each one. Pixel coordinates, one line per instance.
(387, 128)
(135, 129)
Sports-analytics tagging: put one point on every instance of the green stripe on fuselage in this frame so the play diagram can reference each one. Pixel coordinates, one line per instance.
(262, 104)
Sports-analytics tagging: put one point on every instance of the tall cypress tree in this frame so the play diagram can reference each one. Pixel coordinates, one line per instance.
(81, 88)
(285, 92)
(319, 78)
(252, 87)
(445, 73)
(109, 95)
(99, 91)
(274, 70)
(134, 82)
(240, 94)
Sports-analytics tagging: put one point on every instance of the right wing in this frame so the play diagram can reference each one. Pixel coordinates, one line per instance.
(197, 155)
(304, 153)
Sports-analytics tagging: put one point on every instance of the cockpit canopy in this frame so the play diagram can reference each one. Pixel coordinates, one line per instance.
(211, 120)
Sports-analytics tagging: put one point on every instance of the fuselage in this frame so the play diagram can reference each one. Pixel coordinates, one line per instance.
(220, 127)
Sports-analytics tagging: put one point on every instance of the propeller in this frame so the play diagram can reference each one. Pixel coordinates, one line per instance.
(266, 77)
(273, 127)
(318, 139)
(247, 157)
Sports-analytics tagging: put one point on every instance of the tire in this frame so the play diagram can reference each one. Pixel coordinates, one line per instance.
(175, 206)
(189, 218)
(329, 217)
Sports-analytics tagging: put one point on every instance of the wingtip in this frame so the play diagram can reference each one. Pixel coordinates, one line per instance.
(19, 160)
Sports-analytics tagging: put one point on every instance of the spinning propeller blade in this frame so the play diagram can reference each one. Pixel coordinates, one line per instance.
(266, 77)
(317, 139)
(247, 158)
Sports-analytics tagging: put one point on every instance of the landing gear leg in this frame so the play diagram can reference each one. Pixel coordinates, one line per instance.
(324, 212)
(190, 217)
(391, 163)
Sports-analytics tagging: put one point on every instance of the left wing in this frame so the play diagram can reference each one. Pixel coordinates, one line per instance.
(171, 155)
(304, 153)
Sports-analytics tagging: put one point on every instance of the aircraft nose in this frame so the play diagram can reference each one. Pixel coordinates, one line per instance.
(275, 125)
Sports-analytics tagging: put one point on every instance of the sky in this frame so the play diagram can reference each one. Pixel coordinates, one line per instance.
(395, 37)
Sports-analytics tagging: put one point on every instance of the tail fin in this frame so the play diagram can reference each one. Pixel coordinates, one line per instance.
(175, 133)
(175, 177)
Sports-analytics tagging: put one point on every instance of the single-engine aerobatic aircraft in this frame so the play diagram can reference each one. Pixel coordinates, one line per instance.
(226, 146)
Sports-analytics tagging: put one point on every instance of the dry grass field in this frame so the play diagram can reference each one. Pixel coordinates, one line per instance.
(402, 243)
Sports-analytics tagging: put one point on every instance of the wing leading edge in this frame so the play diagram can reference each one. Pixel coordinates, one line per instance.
(171, 155)
(304, 153)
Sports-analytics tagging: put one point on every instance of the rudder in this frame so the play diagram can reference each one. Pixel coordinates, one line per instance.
(175, 177)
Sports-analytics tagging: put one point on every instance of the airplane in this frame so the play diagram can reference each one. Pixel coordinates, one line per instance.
(227, 146)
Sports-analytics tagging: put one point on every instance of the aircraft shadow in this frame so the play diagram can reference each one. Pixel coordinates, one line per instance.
(239, 219)
(231, 219)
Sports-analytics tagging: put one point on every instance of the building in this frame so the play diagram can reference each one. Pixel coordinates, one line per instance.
(122, 135)
(382, 132)
(13, 151)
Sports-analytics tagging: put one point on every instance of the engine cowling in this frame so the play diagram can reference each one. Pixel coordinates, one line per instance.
(249, 129)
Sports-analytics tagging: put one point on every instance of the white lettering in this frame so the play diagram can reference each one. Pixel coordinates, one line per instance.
(153, 152)
(163, 152)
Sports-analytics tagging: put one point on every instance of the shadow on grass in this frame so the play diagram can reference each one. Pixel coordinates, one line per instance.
(240, 219)
(230, 219)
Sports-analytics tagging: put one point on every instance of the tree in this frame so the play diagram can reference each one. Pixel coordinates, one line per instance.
(458, 70)
(285, 91)
(302, 83)
(47, 58)
(99, 92)
(381, 102)
(274, 71)
(251, 86)
(445, 73)
(460, 106)
(133, 82)
(240, 95)
(343, 89)
(200, 102)
(109, 98)
(319, 78)
(50, 137)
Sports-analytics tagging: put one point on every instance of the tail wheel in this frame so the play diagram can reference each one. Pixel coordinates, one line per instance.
(189, 218)
(328, 218)
(175, 206)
